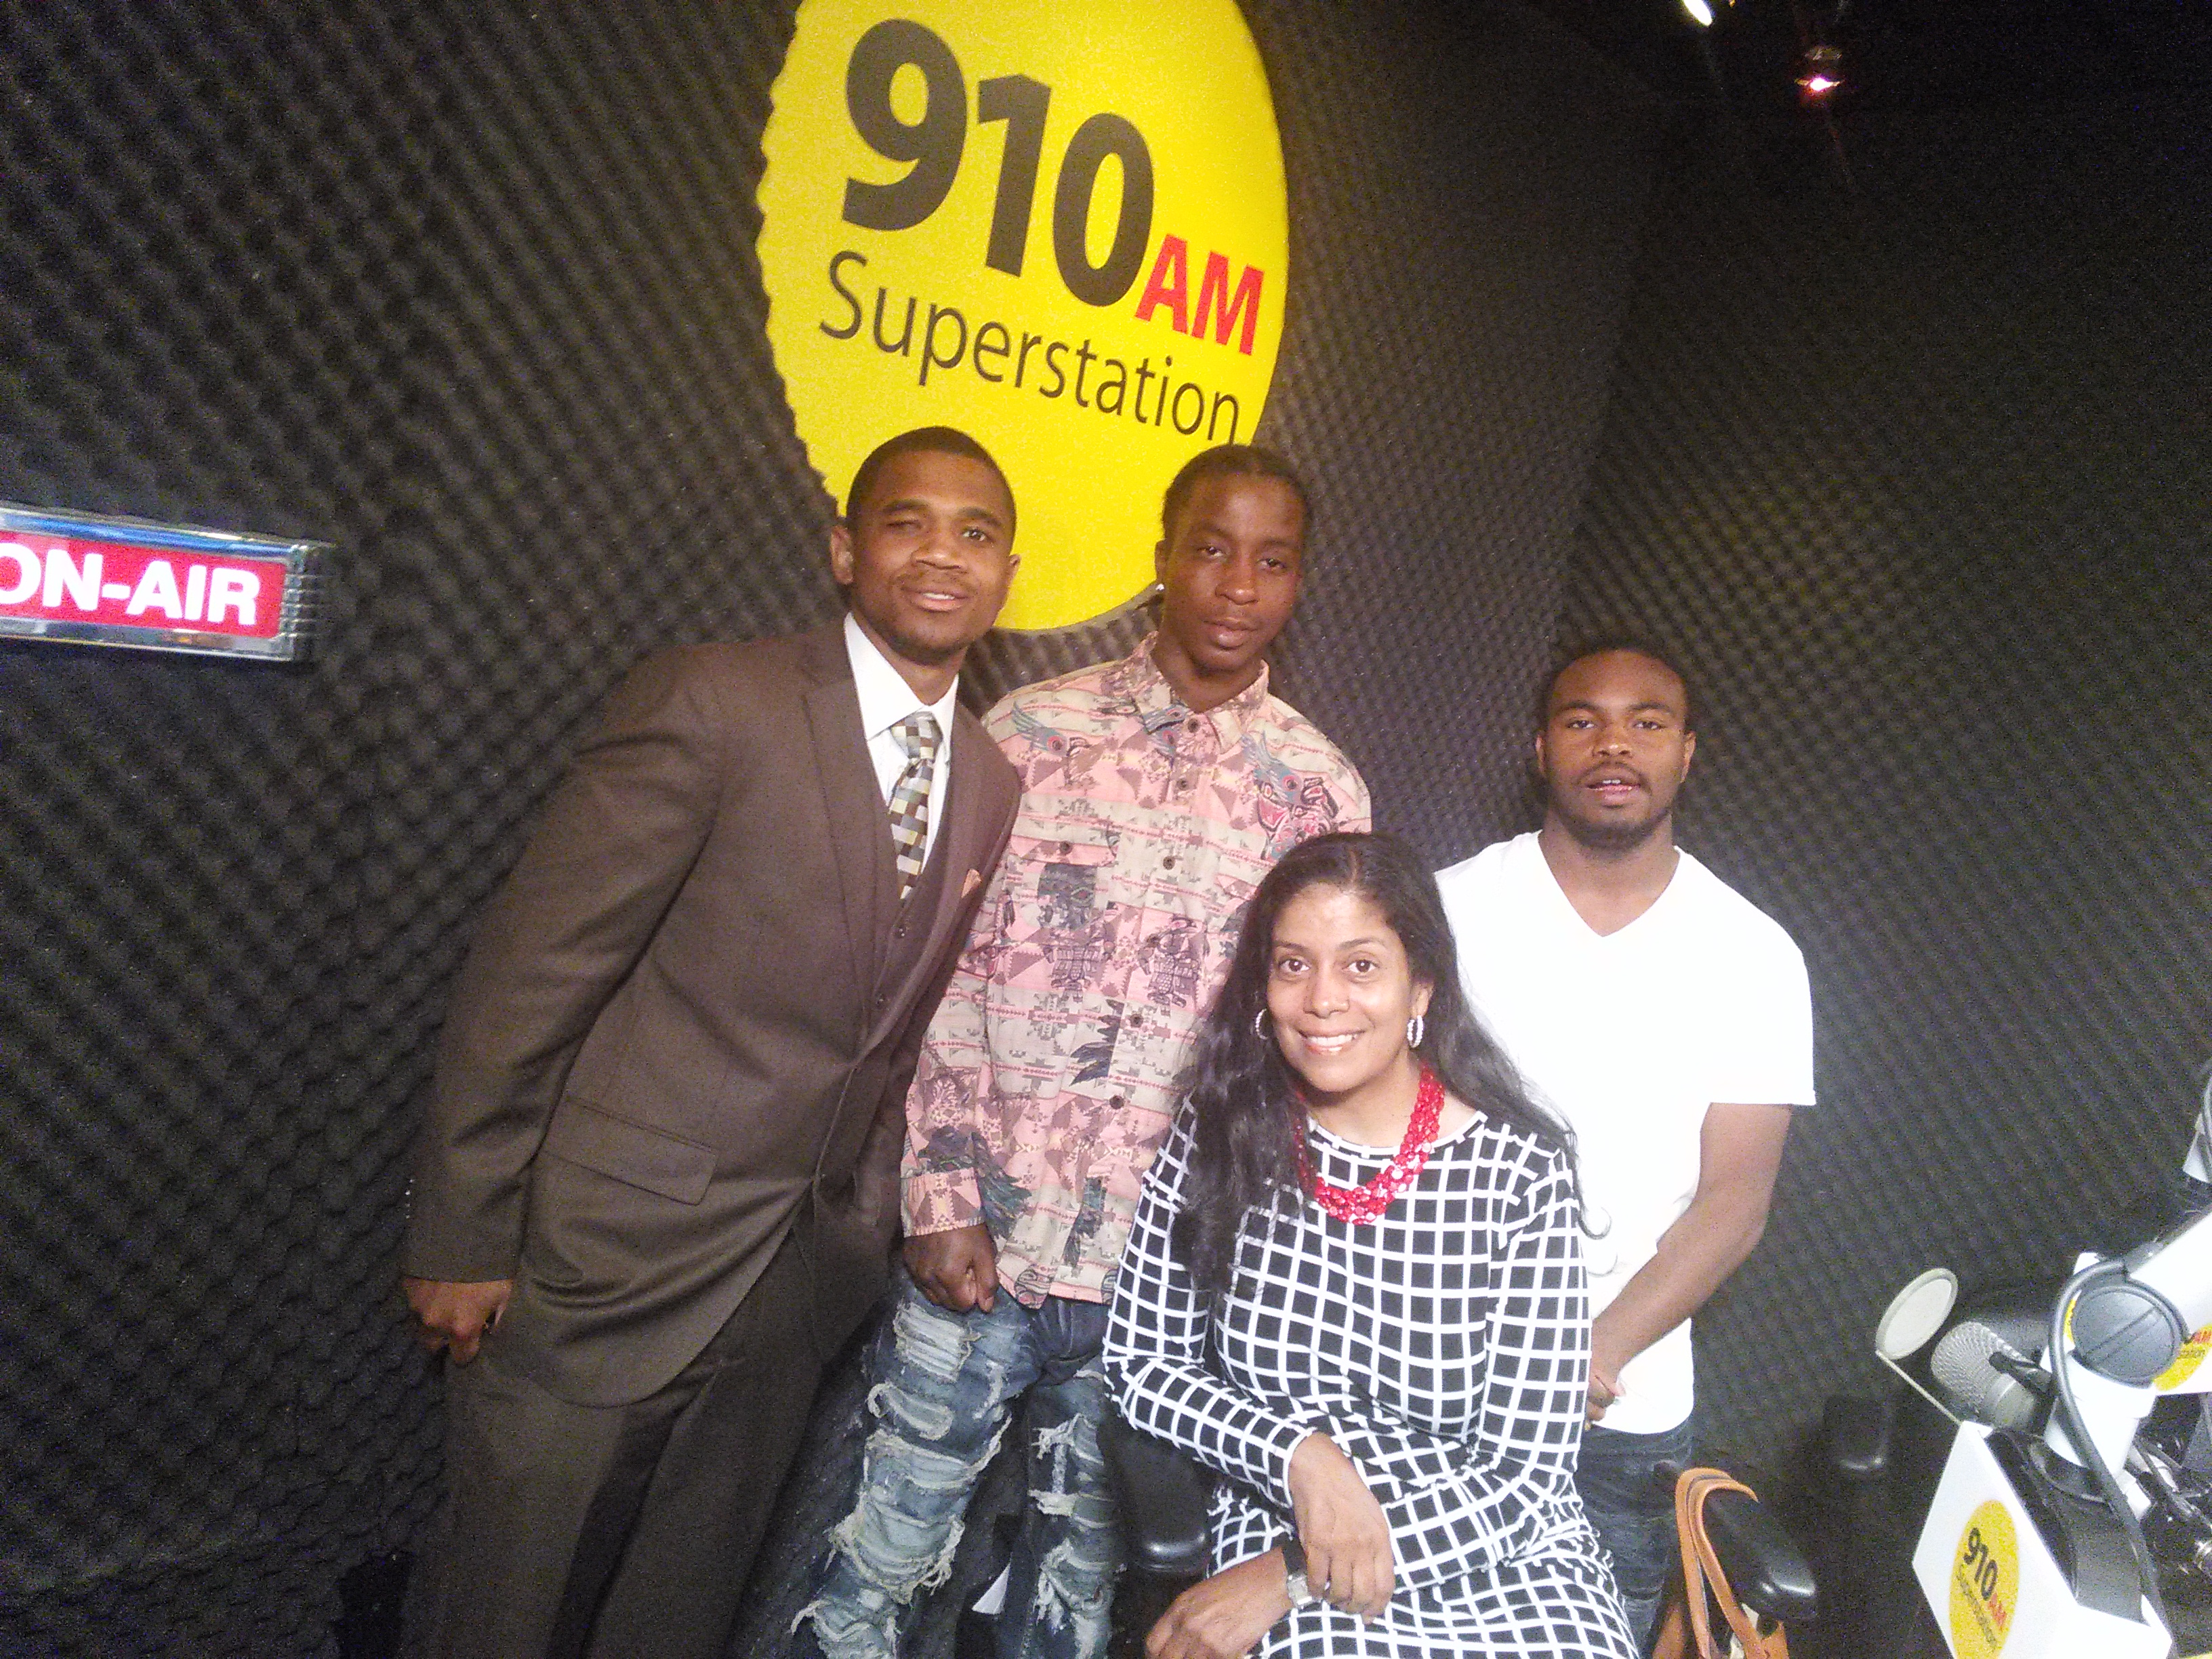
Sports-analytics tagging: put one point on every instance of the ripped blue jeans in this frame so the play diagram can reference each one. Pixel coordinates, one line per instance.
(943, 1386)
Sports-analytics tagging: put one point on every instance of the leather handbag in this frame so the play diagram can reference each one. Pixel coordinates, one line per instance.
(1705, 1583)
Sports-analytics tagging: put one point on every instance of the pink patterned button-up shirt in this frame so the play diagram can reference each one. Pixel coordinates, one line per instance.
(1047, 1078)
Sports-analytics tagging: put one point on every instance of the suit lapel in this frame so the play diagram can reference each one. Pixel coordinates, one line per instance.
(859, 830)
(960, 834)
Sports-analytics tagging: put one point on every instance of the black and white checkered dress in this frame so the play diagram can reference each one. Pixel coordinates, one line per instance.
(1446, 1351)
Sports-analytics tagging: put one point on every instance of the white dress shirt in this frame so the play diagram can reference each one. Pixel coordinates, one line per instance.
(886, 700)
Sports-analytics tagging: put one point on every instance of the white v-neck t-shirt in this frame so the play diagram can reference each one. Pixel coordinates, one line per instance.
(1630, 1036)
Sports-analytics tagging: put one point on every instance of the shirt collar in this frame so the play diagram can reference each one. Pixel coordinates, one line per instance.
(885, 697)
(1159, 705)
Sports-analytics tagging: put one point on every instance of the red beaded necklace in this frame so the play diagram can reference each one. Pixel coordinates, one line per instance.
(1363, 1206)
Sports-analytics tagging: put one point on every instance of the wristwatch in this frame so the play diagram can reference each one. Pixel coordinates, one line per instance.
(1294, 1572)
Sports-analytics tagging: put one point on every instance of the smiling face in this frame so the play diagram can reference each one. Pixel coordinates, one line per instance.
(1339, 992)
(1229, 574)
(926, 559)
(1614, 749)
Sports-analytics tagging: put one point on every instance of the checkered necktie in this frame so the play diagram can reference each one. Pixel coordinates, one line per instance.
(917, 735)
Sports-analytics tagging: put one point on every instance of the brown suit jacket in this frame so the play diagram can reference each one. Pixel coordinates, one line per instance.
(688, 1024)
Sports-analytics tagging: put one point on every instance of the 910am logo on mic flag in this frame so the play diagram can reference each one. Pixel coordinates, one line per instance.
(1059, 225)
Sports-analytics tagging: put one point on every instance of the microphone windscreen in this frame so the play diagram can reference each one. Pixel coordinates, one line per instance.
(1961, 1368)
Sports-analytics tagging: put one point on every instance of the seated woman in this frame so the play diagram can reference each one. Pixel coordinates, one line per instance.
(1355, 1289)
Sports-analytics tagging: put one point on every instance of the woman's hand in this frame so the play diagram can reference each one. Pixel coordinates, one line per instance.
(1223, 1617)
(1349, 1562)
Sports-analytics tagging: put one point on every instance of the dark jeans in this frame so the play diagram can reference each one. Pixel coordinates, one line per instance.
(1633, 1514)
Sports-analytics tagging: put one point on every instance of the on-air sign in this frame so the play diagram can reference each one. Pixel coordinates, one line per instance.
(90, 579)
(1059, 225)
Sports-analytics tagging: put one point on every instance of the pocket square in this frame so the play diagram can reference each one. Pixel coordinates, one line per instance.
(974, 879)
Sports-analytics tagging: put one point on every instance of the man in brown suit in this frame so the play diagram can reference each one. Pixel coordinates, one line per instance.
(658, 1182)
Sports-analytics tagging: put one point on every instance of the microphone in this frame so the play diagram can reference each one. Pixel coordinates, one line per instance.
(1979, 1365)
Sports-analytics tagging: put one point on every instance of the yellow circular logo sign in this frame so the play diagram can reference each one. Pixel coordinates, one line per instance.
(1058, 225)
(1984, 1583)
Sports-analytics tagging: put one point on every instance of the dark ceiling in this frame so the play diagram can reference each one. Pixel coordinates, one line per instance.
(1916, 53)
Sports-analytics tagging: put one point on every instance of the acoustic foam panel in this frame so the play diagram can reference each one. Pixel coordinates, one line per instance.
(1916, 480)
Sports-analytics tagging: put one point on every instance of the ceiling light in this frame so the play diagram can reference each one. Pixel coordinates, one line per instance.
(1821, 74)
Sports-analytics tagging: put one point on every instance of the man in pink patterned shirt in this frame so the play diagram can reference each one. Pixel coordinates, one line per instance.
(1156, 791)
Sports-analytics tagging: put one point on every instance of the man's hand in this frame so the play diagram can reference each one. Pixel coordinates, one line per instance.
(453, 1316)
(957, 1269)
(1604, 1387)
(1349, 1563)
(1739, 1152)
(1223, 1617)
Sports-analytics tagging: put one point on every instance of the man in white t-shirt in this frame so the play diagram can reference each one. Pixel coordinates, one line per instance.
(1669, 1022)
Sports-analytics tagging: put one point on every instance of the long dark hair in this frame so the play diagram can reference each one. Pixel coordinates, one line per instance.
(1247, 1119)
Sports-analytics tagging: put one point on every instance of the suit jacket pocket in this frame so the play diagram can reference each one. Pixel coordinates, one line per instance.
(630, 1152)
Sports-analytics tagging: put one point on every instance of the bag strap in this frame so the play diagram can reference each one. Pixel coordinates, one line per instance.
(1701, 1568)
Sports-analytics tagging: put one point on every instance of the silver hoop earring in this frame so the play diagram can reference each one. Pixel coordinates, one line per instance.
(1260, 1025)
(1415, 1030)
